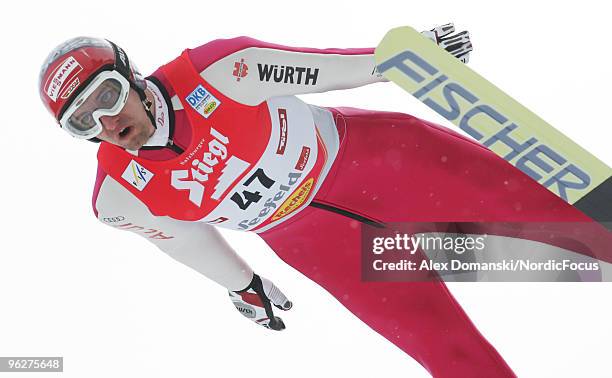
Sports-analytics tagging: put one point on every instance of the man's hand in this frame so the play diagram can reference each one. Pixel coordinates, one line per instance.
(458, 44)
(255, 302)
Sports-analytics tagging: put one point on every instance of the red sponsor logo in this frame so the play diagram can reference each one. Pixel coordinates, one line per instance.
(301, 164)
(151, 233)
(240, 70)
(68, 91)
(282, 121)
(218, 220)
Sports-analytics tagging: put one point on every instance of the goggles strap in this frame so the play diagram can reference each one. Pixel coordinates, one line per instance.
(122, 62)
(122, 65)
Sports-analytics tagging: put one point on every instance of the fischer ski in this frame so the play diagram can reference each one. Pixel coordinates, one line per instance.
(497, 121)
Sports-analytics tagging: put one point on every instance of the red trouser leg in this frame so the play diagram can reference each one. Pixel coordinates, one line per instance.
(393, 167)
(421, 318)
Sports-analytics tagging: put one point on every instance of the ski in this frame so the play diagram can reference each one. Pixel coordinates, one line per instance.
(497, 121)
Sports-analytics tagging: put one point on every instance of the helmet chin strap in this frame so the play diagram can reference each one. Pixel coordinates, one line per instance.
(146, 103)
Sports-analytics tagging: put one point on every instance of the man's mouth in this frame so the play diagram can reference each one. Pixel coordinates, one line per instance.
(124, 132)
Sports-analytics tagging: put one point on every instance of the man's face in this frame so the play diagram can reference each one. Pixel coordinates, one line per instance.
(131, 128)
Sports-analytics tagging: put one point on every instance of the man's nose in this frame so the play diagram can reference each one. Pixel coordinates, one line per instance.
(109, 122)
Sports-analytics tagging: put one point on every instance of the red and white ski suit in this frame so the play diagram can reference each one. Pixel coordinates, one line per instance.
(364, 166)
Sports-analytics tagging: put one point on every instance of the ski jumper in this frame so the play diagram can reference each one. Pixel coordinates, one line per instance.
(234, 148)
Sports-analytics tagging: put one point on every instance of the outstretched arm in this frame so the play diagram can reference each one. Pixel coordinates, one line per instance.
(199, 246)
(250, 71)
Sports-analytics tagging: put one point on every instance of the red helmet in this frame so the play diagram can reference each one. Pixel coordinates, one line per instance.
(74, 64)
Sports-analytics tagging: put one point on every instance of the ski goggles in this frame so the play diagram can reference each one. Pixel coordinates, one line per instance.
(105, 95)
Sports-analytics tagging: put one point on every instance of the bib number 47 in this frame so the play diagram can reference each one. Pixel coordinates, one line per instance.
(247, 197)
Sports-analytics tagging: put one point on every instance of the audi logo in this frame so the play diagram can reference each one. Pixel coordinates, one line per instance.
(114, 219)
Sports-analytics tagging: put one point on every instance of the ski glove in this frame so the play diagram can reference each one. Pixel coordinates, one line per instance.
(458, 44)
(256, 300)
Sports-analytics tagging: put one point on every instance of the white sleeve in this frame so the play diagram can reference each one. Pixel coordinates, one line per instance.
(258, 70)
(197, 245)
